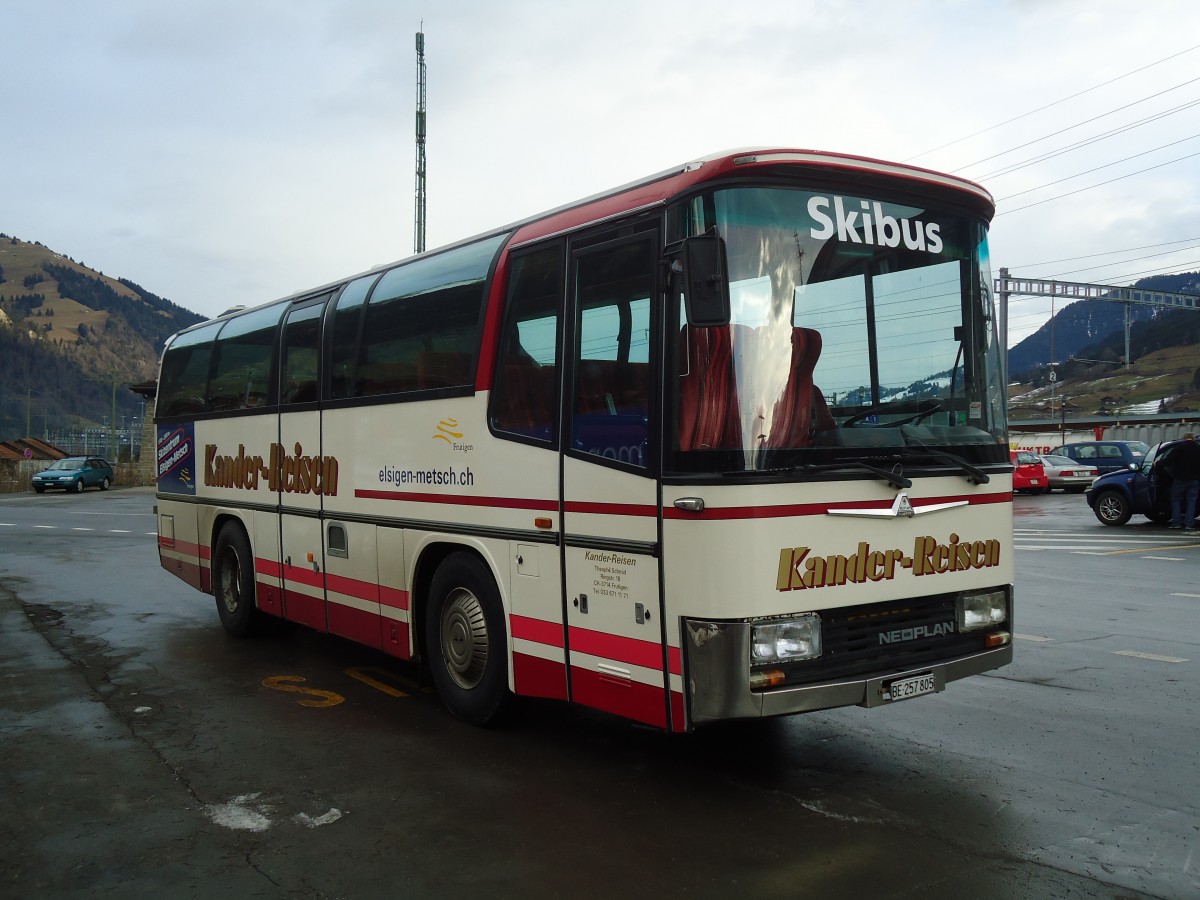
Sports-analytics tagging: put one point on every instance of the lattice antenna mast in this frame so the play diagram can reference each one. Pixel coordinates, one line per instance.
(419, 223)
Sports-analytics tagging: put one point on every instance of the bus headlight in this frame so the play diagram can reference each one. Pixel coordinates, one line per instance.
(981, 610)
(780, 640)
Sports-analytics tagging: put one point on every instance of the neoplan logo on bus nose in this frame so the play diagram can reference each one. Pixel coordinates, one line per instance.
(869, 225)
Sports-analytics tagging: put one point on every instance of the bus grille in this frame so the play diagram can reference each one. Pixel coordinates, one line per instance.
(886, 637)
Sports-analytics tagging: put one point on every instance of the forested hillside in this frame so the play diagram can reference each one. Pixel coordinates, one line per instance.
(67, 334)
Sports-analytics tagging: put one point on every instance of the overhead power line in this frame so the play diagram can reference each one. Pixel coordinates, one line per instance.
(1086, 142)
(1055, 262)
(1093, 186)
(1098, 168)
(1076, 125)
(1126, 279)
(1025, 115)
(1126, 261)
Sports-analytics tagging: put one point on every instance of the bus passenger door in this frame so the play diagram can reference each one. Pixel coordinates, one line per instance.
(615, 628)
(292, 468)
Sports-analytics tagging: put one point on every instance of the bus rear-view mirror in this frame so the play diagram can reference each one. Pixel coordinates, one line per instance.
(706, 295)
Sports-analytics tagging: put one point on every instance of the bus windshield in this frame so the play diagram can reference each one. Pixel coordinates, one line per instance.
(860, 328)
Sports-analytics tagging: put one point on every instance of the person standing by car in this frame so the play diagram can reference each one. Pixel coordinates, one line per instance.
(1183, 465)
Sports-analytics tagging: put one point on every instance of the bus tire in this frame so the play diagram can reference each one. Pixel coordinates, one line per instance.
(233, 582)
(466, 641)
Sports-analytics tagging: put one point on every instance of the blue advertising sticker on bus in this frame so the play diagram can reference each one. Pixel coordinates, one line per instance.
(177, 459)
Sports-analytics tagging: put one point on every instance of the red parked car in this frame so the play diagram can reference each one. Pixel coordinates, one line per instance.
(1030, 474)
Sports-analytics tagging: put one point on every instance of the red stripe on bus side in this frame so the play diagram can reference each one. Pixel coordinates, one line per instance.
(819, 509)
(352, 587)
(674, 661)
(537, 677)
(460, 500)
(355, 624)
(186, 547)
(305, 609)
(393, 597)
(268, 567)
(537, 630)
(647, 654)
(611, 509)
(307, 577)
(632, 699)
(615, 647)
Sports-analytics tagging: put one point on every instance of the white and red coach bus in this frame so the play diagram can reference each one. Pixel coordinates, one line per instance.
(726, 442)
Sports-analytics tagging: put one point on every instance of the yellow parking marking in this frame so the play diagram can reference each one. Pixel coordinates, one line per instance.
(1153, 656)
(360, 673)
(291, 684)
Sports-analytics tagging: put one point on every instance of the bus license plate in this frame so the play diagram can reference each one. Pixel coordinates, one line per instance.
(907, 688)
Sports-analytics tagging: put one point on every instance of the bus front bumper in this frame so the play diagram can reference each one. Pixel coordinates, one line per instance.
(718, 675)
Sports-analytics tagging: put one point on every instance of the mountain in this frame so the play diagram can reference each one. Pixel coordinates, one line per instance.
(67, 333)
(1097, 324)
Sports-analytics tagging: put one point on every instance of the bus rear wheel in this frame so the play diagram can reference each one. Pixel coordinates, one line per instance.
(233, 582)
(465, 640)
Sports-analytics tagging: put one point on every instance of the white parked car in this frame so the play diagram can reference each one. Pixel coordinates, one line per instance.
(1064, 472)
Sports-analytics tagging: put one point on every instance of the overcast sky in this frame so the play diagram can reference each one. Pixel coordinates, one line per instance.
(222, 152)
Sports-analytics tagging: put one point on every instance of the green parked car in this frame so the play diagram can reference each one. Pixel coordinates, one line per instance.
(74, 473)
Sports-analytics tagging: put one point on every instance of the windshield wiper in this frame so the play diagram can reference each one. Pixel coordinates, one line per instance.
(974, 474)
(891, 478)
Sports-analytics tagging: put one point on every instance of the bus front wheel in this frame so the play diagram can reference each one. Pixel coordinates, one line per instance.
(233, 582)
(465, 640)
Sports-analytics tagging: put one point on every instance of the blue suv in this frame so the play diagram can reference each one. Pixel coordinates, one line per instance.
(1116, 496)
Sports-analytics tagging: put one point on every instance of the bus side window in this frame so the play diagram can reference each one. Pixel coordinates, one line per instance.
(421, 326)
(301, 343)
(347, 322)
(243, 361)
(184, 380)
(525, 397)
